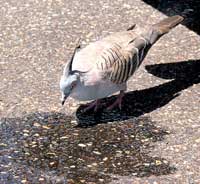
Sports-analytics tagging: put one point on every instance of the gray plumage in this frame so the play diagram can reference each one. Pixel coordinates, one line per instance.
(103, 67)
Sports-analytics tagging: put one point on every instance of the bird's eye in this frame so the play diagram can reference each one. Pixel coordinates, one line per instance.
(72, 85)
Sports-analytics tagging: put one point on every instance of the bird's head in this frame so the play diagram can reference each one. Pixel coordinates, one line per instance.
(69, 79)
(67, 84)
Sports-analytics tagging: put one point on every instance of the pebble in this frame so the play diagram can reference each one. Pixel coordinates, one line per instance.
(25, 135)
(89, 144)
(26, 131)
(97, 152)
(45, 127)
(3, 144)
(41, 179)
(36, 135)
(64, 137)
(24, 181)
(105, 158)
(82, 145)
(197, 140)
(158, 162)
(94, 164)
(36, 124)
(52, 163)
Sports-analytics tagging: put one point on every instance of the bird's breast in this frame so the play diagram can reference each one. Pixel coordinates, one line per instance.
(92, 92)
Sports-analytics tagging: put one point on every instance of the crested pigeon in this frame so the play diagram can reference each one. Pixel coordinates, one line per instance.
(104, 67)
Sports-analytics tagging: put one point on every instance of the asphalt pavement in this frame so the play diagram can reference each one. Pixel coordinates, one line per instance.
(154, 139)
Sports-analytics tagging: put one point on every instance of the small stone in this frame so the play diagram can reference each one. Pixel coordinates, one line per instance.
(97, 152)
(94, 164)
(41, 179)
(105, 158)
(127, 152)
(72, 166)
(26, 131)
(146, 164)
(3, 144)
(24, 181)
(113, 165)
(119, 151)
(25, 135)
(165, 161)
(73, 122)
(82, 145)
(51, 154)
(126, 6)
(45, 127)
(64, 137)
(158, 162)
(27, 153)
(36, 124)
(52, 163)
(197, 140)
(35, 159)
(75, 134)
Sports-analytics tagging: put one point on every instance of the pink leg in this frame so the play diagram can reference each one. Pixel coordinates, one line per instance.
(118, 101)
(94, 105)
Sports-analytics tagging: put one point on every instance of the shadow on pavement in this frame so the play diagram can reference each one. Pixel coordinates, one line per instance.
(136, 103)
(49, 148)
(187, 8)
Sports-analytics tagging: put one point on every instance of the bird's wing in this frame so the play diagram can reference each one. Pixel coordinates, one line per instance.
(118, 63)
(87, 57)
(116, 57)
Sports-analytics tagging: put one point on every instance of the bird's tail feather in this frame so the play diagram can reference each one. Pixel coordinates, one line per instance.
(163, 27)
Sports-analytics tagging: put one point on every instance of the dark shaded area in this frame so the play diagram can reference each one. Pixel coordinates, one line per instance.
(187, 8)
(48, 148)
(137, 103)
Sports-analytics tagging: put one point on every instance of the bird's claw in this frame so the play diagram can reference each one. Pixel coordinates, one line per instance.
(94, 105)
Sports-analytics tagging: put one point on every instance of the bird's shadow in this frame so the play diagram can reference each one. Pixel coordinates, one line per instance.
(136, 103)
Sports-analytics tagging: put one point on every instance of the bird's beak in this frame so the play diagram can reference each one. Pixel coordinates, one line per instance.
(64, 97)
(63, 102)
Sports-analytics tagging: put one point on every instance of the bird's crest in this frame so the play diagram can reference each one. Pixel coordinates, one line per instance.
(68, 66)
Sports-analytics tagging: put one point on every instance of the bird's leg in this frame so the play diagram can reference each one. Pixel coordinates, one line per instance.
(118, 101)
(94, 105)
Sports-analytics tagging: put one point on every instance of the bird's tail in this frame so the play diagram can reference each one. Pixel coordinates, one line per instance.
(163, 27)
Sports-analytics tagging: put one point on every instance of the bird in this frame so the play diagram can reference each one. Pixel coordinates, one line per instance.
(103, 67)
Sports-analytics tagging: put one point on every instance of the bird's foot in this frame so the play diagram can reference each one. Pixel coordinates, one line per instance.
(118, 102)
(92, 105)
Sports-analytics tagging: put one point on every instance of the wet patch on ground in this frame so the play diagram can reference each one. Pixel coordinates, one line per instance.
(52, 148)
